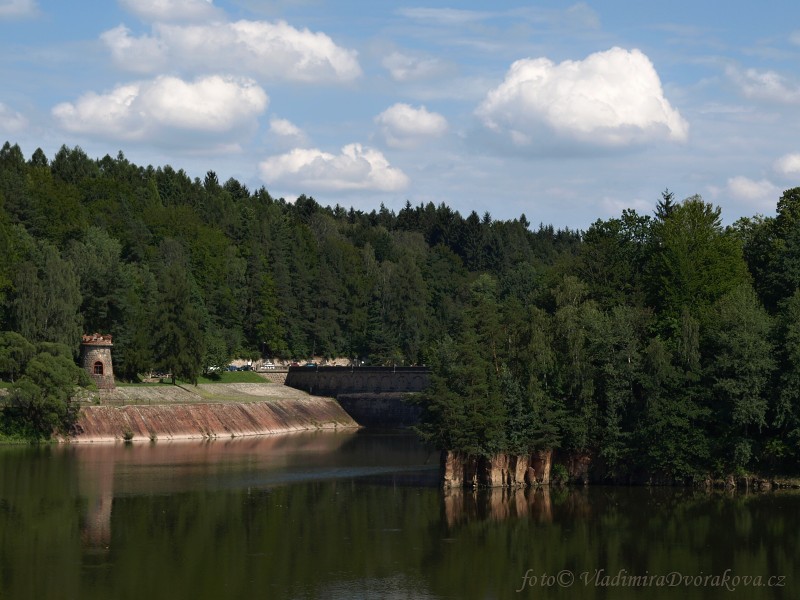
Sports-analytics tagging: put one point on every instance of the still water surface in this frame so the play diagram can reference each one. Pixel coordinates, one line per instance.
(359, 515)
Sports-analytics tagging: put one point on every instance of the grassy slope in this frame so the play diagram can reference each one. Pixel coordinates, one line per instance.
(226, 377)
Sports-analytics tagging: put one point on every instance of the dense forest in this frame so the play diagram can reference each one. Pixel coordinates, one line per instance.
(664, 343)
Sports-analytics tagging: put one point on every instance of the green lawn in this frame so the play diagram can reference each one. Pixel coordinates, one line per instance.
(233, 377)
(224, 377)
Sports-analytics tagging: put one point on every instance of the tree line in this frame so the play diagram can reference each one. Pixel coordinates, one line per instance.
(666, 346)
(666, 327)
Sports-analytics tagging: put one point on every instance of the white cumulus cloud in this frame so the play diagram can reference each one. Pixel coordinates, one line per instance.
(10, 9)
(151, 53)
(355, 168)
(405, 67)
(760, 194)
(404, 126)
(286, 134)
(765, 85)
(11, 121)
(611, 98)
(284, 128)
(209, 107)
(171, 10)
(788, 164)
(255, 48)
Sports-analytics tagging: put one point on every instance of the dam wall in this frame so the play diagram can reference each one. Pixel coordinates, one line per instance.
(332, 381)
(386, 410)
(207, 420)
(372, 396)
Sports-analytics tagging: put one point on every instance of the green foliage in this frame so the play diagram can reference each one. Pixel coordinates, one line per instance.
(642, 328)
(96, 262)
(772, 249)
(559, 474)
(133, 352)
(463, 408)
(520, 419)
(216, 355)
(41, 401)
(786, 412)
(47, 298)
(178, 341)
(739, 372)
(614, 257)
(15, 352)
(695, 261)
(578, 326)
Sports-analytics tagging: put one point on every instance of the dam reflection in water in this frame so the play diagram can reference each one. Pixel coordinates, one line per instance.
(106, 471)
(353, 514)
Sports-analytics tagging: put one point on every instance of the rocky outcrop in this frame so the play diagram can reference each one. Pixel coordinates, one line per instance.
(542, 463)
(500, 470)
(578, 468)
(208, 420)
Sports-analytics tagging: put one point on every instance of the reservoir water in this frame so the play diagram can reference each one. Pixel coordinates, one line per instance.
(346, 515)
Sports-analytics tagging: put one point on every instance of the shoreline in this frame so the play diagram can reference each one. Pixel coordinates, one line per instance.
(460, 470)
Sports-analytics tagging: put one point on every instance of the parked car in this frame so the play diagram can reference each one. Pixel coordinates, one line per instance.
(233, 368)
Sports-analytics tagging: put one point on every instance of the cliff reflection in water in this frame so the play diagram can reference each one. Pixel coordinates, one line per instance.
(496, 504)
(549, 504)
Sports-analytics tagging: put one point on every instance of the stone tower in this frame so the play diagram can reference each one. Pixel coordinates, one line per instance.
(96, 359)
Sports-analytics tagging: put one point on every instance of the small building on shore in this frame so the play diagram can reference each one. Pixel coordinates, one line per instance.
(96, 359)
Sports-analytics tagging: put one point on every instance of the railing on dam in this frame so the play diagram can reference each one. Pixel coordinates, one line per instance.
(332, 381)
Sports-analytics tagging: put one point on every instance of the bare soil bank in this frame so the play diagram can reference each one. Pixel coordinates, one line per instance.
(210, 411)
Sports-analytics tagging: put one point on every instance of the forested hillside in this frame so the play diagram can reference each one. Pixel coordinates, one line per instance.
(662, 342)
(105, 245)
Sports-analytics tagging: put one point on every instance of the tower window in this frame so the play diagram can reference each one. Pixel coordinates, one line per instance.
(98, 368)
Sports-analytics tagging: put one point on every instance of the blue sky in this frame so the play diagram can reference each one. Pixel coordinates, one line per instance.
(566, 112)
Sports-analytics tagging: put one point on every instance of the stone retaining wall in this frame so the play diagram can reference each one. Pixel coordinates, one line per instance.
(212, 420)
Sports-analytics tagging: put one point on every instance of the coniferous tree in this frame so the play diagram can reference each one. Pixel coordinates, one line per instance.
(47, 298)
(665, 206)
(133, 349)
(695, 263)
(786, 412)
(178, 341)
(739, 369)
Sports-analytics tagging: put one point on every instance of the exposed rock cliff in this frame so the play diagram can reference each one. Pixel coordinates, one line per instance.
(500, 470)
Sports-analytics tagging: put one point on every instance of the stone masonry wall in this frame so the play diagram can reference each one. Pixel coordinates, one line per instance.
(93, 354)
(332, 381)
